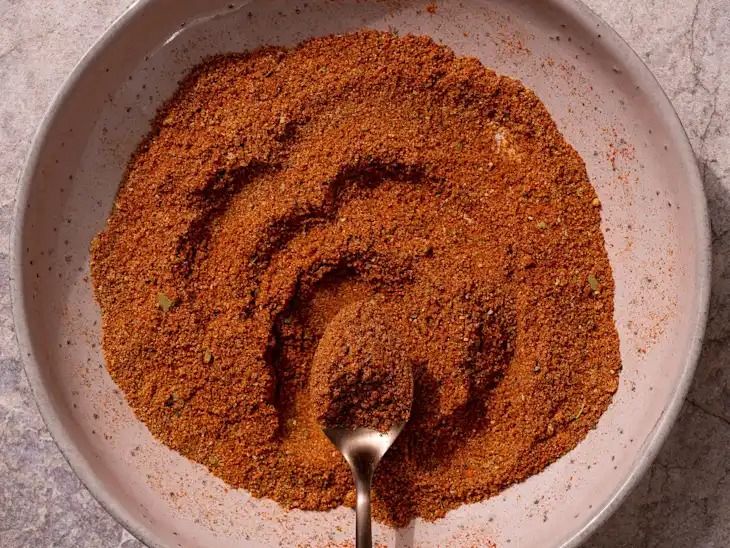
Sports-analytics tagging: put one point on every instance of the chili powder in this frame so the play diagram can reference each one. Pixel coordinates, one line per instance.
(361, 374)
(279, 187)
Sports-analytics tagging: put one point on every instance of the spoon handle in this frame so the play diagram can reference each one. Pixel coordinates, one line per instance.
(363, 532)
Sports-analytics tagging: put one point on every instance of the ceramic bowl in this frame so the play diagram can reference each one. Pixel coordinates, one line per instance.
(604, 100)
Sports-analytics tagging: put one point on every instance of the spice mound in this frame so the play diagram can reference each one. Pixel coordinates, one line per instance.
(361, 377)
(359, 197)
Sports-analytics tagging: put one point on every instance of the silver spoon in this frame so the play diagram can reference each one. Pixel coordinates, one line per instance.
(363, 448)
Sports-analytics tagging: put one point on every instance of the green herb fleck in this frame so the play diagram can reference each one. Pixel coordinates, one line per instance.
(580, 411)
(542, 225)
(593, 282)
(207, 356)
(165, 302)
(459, 146)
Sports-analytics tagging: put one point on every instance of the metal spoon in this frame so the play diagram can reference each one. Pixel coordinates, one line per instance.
(363, 448)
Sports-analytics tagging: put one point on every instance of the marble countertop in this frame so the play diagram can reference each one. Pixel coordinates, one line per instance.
(684, 499)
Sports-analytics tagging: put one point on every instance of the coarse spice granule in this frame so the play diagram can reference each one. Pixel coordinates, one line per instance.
(279, 187)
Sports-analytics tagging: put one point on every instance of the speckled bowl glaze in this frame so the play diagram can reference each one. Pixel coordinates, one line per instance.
(604, 100)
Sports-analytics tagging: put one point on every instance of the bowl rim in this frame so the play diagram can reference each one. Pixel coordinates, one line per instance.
(651, 446)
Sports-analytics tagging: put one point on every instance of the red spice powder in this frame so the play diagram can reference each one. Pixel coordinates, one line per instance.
(279, 188)
(361, 374)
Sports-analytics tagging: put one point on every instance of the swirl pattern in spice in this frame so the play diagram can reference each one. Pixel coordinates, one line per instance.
(281, 187)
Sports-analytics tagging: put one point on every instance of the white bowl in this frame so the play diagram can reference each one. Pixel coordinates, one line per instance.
(604, 100)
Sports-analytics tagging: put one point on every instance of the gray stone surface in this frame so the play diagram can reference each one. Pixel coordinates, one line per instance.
(684, 500)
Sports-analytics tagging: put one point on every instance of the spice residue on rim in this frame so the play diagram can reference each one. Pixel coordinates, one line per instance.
(283, 190)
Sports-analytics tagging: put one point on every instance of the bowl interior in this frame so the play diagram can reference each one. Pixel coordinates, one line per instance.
(602, 98)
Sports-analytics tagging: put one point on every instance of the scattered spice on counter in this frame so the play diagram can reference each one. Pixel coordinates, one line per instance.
(366, 190)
